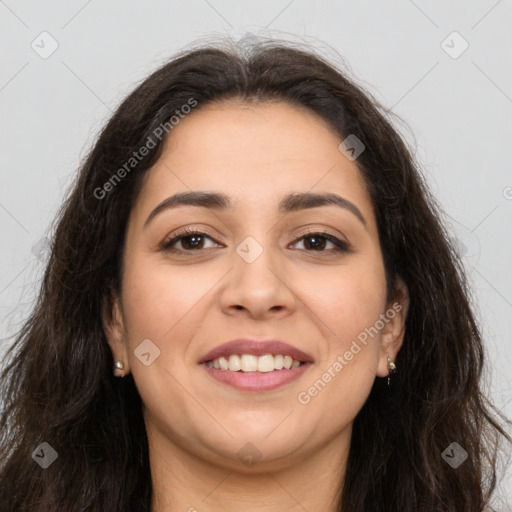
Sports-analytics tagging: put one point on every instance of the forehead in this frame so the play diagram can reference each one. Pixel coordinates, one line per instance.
(255, 153)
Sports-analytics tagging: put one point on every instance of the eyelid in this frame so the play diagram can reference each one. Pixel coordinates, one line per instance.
(342, 245)
(183, 233)
(320, 231)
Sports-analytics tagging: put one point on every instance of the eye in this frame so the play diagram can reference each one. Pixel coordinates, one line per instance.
(317, 241)
(190, 241)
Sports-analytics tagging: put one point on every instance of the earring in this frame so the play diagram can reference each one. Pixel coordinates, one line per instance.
(391, 369)
(119, 366)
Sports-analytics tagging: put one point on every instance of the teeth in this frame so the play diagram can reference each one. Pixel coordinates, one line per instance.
(234, 363)
(250, 363)
(266, 363)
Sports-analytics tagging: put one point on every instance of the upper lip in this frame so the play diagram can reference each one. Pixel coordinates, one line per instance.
(257, 348)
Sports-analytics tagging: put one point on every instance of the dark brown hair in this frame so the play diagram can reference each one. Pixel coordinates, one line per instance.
(58, 385)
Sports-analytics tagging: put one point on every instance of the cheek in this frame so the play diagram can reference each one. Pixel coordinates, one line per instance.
(349, 303)
(164, 305)
(350, 299)
(159, 300)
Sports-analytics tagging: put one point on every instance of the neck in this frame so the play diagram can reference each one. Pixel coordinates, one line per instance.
(183, 482)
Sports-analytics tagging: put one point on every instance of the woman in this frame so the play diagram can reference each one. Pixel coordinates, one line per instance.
(250, 304)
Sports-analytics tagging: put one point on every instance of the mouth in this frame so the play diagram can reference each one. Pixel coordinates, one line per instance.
(251, 365)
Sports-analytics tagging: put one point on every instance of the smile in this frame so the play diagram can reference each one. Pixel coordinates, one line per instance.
(251, 363)
(248, 372)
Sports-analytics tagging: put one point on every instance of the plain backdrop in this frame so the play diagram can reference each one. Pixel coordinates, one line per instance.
(443, 67)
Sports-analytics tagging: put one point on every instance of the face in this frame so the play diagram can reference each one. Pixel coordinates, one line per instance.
(308, 275)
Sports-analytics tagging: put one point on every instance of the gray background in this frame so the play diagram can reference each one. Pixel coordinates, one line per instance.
(456, 111)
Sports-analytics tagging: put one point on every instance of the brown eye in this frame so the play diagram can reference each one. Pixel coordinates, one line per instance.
(318, 241)
(190, 241)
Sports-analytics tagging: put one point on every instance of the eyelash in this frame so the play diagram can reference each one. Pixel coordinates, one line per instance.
(340, 245)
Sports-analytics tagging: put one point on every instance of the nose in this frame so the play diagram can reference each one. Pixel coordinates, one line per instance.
(258, 285)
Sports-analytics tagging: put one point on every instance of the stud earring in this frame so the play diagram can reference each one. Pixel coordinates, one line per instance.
(118, 366)
(391, 370)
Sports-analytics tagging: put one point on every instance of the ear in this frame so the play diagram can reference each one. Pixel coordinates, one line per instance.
(113, 327)
(393, 331)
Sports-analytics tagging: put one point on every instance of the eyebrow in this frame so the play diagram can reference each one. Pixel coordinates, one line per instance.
(221, 202)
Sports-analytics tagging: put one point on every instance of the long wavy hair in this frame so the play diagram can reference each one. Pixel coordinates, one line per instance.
(57, 385)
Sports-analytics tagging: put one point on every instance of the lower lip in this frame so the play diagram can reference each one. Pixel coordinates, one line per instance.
(256, 381)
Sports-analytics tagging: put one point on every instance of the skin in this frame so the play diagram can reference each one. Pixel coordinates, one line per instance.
(190, 302)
